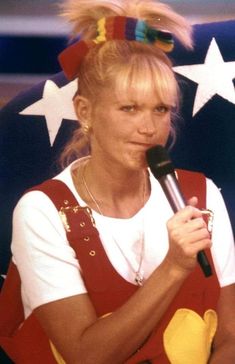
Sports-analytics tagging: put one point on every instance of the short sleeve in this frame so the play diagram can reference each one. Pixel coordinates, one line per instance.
(46, 262)
(223, 251)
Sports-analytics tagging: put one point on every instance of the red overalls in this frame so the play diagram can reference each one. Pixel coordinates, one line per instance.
(106, 288)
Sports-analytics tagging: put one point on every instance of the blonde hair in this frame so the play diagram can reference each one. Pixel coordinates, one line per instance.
(122, 63)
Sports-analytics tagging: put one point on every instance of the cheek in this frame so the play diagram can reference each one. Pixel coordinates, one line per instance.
(106, 131)
(164, 127)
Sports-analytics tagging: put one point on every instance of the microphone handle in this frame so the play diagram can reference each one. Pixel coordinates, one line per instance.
(172, 191)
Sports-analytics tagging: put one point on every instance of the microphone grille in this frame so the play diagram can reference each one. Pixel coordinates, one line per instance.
(159, 161)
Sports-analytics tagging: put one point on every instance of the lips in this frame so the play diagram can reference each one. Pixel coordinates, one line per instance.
(141, 145)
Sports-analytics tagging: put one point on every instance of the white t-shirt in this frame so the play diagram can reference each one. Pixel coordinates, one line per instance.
(48, 265)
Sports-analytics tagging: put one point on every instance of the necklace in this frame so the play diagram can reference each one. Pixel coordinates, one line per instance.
(139, 278)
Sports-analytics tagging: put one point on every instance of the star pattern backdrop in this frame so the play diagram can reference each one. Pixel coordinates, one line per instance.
(35, 125)
(206, 140)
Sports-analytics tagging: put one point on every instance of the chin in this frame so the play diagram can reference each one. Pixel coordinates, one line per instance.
(138, 163)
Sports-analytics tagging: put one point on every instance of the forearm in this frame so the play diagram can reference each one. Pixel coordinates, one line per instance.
(115, 337)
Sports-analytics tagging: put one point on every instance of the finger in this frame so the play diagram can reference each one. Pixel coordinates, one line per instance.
(196, 224)
(195, 247)
(189, 235)
(193, 201)
(184, 215)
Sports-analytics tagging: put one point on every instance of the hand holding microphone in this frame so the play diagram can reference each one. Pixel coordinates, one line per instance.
(162, 169)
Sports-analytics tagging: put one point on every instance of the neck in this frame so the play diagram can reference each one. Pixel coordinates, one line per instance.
(117, 193)
(115, 182)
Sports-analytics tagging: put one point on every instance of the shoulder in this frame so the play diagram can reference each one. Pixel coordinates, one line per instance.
(38, 195)
(37, 208)
(34, 213)
(33, 199)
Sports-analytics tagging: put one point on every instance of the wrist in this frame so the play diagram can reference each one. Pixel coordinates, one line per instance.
(174, 270)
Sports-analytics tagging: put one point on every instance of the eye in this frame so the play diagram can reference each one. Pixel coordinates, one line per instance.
(162, 109)
(128, 108)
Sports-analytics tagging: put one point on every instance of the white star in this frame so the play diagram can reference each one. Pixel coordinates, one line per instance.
(213, 77)
(56, 105)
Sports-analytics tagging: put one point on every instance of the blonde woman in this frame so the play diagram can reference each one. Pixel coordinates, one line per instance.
(129, 288)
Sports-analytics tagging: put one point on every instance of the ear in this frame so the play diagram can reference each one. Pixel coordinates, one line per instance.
(82, 107)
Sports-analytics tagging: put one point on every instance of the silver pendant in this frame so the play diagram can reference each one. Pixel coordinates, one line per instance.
(138, 279)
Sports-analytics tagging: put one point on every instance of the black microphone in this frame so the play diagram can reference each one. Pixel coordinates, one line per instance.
(162, 169)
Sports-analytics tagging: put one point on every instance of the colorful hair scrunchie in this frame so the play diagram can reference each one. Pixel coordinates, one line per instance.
(113, 28)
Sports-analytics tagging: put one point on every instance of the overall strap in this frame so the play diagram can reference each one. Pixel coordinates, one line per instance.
(82, 235)
(193, 184)
(58, 192)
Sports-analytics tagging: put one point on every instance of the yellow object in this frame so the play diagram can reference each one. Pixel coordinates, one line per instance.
(101, 31)
(57, 355)
(188, 337)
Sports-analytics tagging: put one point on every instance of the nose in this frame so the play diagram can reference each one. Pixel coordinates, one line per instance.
(147, 125)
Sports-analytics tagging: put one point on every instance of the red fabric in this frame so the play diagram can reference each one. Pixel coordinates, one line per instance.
(119, 27)
(109, 27)
(14, 314)
(26, 345)
(71, 58)
(107, 289)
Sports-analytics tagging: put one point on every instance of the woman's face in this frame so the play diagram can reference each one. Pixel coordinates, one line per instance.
(124, 127)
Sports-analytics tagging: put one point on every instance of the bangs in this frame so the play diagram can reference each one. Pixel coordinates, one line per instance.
(148, 77)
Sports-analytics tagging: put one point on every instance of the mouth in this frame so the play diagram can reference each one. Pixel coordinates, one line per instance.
(142, 146)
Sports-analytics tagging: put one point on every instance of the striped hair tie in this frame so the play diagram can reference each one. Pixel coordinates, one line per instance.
(114, 28)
